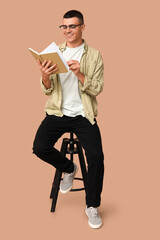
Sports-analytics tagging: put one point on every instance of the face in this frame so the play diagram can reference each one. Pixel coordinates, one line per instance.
(73, 35)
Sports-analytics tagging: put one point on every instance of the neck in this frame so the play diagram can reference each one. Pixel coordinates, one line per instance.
(74, 44)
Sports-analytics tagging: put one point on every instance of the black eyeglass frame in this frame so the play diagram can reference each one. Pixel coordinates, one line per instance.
(71, 26)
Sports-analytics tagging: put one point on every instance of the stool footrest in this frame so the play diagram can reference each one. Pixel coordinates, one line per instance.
(76, 189)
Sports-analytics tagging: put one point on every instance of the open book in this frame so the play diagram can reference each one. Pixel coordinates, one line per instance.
(52, 53)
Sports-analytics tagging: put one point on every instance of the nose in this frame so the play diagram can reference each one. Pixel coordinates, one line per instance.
(68, 29)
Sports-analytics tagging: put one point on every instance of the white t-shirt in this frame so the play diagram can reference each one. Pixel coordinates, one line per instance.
(71, 98)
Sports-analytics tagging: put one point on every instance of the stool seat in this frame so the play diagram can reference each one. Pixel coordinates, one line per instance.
(69, 146)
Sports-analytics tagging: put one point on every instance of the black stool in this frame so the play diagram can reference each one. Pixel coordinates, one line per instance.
(73, 148)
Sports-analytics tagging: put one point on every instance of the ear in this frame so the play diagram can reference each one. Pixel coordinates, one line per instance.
(83, 27)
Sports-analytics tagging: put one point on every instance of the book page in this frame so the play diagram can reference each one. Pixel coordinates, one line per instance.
(35, 54)
(50, 49)
(31, 50)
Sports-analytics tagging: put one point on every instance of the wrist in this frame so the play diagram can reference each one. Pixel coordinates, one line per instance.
(81, 77)
(46, 81)
(45, 78)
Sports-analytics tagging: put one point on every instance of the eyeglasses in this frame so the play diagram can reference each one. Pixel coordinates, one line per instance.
(71, 26)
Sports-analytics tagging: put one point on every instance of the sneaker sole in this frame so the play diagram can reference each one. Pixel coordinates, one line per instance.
(62, 191)
(67, 190)
(92, 225)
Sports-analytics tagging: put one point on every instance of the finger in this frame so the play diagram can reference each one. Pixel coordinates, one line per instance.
(46, 70)
(44, 63)
(53, 71)
(70, 62)
(74, 66)
(38, 61)
(52, 67)
(56, 69)
(73, 62)
(71, 67)
(48, 64)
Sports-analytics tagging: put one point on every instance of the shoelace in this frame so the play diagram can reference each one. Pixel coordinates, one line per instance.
(93, 211)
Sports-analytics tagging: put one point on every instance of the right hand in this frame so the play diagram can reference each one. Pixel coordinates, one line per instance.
(46, 68)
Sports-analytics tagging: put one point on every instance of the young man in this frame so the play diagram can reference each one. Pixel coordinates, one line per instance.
(72, 106)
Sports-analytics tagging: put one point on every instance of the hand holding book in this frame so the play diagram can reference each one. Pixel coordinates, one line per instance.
(47, 69)
(53, 54)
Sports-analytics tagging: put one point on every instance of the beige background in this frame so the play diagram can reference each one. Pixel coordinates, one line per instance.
(127, 35)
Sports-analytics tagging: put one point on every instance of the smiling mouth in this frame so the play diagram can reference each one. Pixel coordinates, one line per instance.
(69, 35)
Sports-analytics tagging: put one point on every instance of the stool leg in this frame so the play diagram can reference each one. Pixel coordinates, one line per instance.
(82, 163)
(56, 181)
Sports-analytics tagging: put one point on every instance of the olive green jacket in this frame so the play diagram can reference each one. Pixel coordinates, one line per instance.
(91, 65)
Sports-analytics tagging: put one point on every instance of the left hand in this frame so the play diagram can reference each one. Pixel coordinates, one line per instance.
(74, 66)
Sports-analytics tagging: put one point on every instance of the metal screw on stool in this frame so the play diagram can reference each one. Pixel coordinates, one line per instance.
(73, 148)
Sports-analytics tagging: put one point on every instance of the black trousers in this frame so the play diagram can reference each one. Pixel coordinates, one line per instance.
(52, 128)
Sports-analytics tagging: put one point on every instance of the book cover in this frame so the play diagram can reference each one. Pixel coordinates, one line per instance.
(52, 53)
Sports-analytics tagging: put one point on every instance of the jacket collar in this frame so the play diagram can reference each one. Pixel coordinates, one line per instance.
(62, 46)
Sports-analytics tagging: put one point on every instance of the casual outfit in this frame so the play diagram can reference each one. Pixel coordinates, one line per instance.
(91, 65)
(73, 107)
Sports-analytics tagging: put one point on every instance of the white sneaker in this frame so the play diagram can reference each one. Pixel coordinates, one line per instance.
(94, 219)
(67, 182)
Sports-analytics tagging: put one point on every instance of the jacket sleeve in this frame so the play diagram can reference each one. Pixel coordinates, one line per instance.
(47, 91)
(94, 86)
